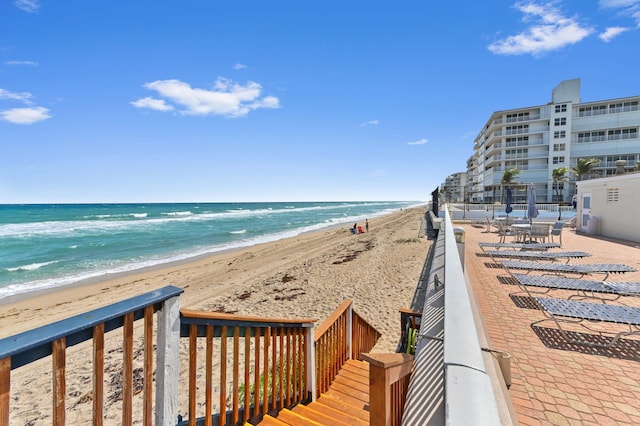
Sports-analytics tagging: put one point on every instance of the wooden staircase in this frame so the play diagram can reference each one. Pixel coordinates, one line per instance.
(345, 403)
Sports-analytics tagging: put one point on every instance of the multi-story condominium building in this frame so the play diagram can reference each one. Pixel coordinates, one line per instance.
(538, 139)
(454, 188)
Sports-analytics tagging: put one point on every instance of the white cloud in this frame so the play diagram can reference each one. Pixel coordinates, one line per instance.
(611, 33)
(155, 104)
(618, 3)
(24, 97)
(370, 123)
(239, 66)
(550, 31)
(29, 6)
(25, 115)
(628, 8)
(30, 63)
(226, 98)
(418, 142)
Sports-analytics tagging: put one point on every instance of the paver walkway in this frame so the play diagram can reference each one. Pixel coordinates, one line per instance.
(555, 383)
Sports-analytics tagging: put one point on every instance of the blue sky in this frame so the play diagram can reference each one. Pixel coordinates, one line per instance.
(143, 101)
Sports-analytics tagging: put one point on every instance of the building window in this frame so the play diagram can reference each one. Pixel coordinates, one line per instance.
(623, 107)
(560, 134)
(514, 130)
(561, 108)
(618, 134)
(516, 153)
(592, 110)
(517, 164)
(558, 160)
(521, 116)
(598, 136)
(559, 147)
(517, 141)
(613, 195)
(560, 121)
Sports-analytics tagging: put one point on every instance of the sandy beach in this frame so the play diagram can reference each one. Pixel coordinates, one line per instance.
(306, 276)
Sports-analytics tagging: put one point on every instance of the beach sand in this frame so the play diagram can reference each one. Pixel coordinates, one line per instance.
(306, 276)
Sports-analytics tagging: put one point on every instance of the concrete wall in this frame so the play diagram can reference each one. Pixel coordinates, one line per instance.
(615, 201)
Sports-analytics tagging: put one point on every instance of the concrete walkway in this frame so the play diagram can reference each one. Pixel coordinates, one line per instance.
(555, 383)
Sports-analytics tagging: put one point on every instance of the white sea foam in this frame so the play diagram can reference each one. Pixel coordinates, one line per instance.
(242, 231)
(31, 267)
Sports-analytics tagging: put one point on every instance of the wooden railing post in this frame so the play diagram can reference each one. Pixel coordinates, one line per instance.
(384, 371)
(168, 360)
(349, 336)
(311, 362)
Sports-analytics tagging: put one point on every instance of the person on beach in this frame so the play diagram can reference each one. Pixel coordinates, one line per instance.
(354, 230)
(366, 224)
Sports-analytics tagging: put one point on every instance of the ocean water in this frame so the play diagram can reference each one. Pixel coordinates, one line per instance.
(45, 246)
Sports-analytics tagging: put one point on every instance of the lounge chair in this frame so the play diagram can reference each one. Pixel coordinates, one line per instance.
(556, 268)
(584, 288)
(571, 311)
(539, 255)
(522, 246)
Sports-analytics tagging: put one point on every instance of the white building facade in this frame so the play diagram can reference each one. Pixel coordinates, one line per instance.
(538, 139)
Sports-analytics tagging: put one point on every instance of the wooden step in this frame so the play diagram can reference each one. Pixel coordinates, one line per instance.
(360, 412)
(295, 419)
(348, 389)
(271, 421)
(345, 380)
(336, 418)
(357, 403)
(362, 379)
(348, 414)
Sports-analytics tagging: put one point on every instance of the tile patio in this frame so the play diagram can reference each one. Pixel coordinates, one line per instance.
(555, 383)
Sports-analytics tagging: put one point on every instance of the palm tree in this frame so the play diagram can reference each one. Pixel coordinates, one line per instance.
(508, 176)
(559, 178)
(584, 167)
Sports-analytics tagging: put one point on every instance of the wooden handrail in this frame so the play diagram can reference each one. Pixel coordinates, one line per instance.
(331, 319)
(192, 313)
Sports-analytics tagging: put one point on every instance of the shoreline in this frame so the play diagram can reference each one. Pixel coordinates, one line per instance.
(177, 260)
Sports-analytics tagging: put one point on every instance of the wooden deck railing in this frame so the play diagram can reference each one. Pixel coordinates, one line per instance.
(343, 335)
(53, 340)
(240, 368)
(257, 366)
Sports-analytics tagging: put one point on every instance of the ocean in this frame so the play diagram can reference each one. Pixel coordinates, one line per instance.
(51, 245)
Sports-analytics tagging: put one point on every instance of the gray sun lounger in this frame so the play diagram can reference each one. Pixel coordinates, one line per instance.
(571, 311)
(583, 287)
(538, 255)
(521, 246)
(556, 268)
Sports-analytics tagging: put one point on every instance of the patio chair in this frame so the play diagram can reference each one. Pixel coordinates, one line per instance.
(546, 255)
(539, 232)
(521, 246)
(570, 311)
(557, 231)
(584, 288)
(503, 230)
(559, 268)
